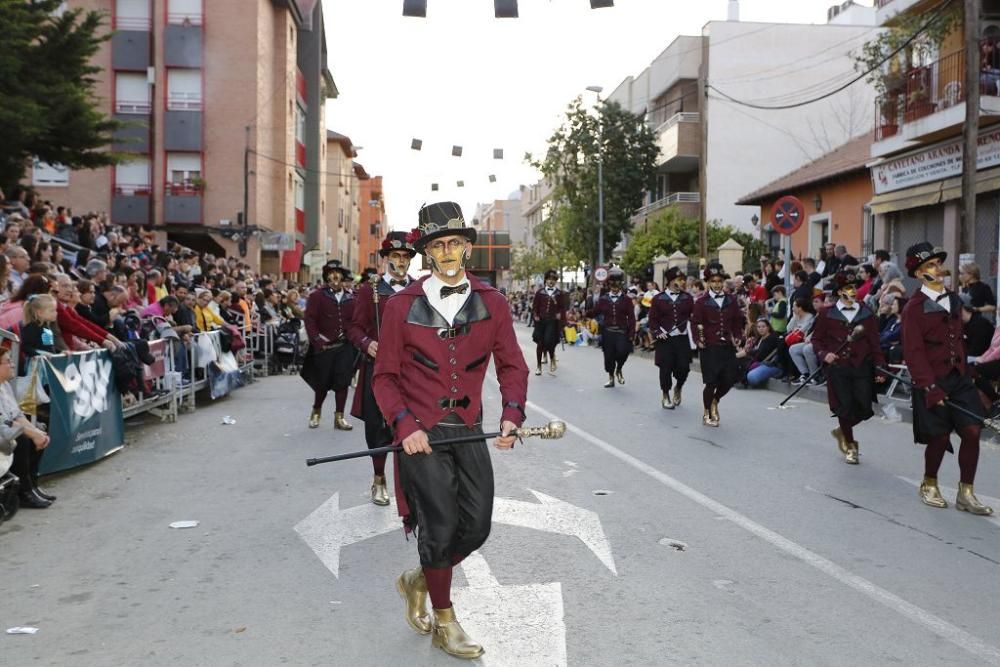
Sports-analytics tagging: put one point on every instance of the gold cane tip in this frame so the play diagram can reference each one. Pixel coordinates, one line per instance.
(556, 429)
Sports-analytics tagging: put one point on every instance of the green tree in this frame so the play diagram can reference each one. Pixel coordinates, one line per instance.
(47, 81)
(551, 249)
(667, 232)
(629, 154)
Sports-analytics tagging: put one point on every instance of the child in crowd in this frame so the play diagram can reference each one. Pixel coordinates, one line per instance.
(37, 335)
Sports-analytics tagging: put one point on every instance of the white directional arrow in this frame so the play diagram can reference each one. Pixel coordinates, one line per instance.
(557, 516)
(519, 625)
(328, 529)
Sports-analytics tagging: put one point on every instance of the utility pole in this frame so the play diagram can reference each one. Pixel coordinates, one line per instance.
(970, 132)
(245, 222)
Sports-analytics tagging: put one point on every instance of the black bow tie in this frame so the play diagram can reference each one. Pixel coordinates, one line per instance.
(457, 289)
(718, 296)
(393, 283)
(848, 309)
(942, 297)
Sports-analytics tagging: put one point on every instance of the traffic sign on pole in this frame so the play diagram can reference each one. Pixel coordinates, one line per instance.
(601, 274)
(787, 215)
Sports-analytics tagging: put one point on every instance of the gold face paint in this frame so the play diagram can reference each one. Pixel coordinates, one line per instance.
(448, 255)
(398, 263)
(334, 279)
(716, 284)
(677, 284)
(848, 294)
(929, 273)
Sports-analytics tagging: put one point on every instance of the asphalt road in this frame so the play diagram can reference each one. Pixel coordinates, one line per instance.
(640, 538)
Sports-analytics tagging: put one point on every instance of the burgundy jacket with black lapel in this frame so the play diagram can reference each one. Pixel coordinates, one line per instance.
(832, 329)
(618, 314)
(714, 326)
(667, 314)
(545, 307)
(326, 319)
(932, 342)
(363, 330)
(423, 362)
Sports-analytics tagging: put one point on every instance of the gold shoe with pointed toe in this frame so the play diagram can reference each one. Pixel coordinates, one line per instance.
(966, 501)
(842, 443)
(610, 383)
(708, 420)
(666, 402)
(380, 492)
(677, 396)
(538, 371)
(852, 456)
(930, 494)
(715, 412)
(412, 588)
(451, 638)
(314, 419)
(552, 366)
(340, 423)
(620, 376)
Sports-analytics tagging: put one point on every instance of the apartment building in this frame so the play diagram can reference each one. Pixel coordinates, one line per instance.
(201, 84)
(373, 225)
(917, 154)
(536, 207)
(343, 194)
(715, 150)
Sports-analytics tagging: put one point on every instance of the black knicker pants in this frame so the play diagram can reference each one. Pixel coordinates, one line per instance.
(851, 390)
(450, 492)
(377, 432)
(616, 347)
(673, 357)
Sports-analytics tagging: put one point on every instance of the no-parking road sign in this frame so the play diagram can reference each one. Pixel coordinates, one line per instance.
(788, 215)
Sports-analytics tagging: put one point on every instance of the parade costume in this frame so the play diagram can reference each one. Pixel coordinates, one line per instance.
(669, 318)
(935, 356)
(850, 378)
(363, 330)
(436, 344)
(617, 316)
(329, 364)
(548, 310)
(718, 325)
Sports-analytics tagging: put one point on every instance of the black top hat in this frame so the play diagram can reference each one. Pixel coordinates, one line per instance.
(552, 273)
(441, 219)
(399, 241)
(673, 273)
(616, 275)
(922, 252)
(714, 270)
(335, 265)
(843, 279)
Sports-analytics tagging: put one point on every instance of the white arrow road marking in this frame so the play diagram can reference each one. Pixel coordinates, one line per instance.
(328, 529)
(949, 493)
(557, 516)
(517, 625)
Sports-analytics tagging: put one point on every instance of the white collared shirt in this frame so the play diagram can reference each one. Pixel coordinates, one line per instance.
(672, 296)
(933, 296)
(719, 299)
(449, 307)
(387, 277)
(850, 314)
(339, 295)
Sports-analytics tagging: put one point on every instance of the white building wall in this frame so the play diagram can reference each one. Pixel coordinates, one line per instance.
(748, 148)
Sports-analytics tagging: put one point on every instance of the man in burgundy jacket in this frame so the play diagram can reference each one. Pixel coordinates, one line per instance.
(935, 356)
(617, 316)
(437, 339)
(846, 340)
(719, 326)
(329, 364)
(363, 331)
(548, 310)
(669, 317)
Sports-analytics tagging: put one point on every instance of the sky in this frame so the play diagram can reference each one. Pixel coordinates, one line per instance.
(463, 77)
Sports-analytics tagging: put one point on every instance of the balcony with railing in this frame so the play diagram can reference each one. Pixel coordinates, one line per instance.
(181, 101)
(929, 100)
(887, 10)
(687, 203)
(182, 203)
(679, 139)
(185, 18)
(137, 107)
(138, 23)
(130, 204)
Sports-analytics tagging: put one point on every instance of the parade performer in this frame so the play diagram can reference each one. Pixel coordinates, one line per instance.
(548, 309)
(329, 364)
(363, 332)
(437, 338)
(669, 317)
(849, 358)
(617, 326)
(718, 325)
(935, 357)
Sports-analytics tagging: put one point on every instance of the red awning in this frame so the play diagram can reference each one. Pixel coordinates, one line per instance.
(291, 260)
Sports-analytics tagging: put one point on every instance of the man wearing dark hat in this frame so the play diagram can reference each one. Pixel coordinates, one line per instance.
(718, 323)
(549, 313)
(329, 364)
(846, 340)
(363, 331)
(617, 315)
(669, 317)
(437, 339)
(935, 356)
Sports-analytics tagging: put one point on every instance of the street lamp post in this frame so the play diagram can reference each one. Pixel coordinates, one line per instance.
(600, 186)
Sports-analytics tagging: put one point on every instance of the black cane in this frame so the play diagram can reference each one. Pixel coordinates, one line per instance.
(551, 431)
(856, 334)
(984, 421)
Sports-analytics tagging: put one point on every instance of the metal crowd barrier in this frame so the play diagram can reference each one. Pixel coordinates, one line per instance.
(198, 380)
(165, 381)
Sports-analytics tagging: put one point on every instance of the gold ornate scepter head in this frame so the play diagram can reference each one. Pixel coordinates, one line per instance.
(554, 430)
